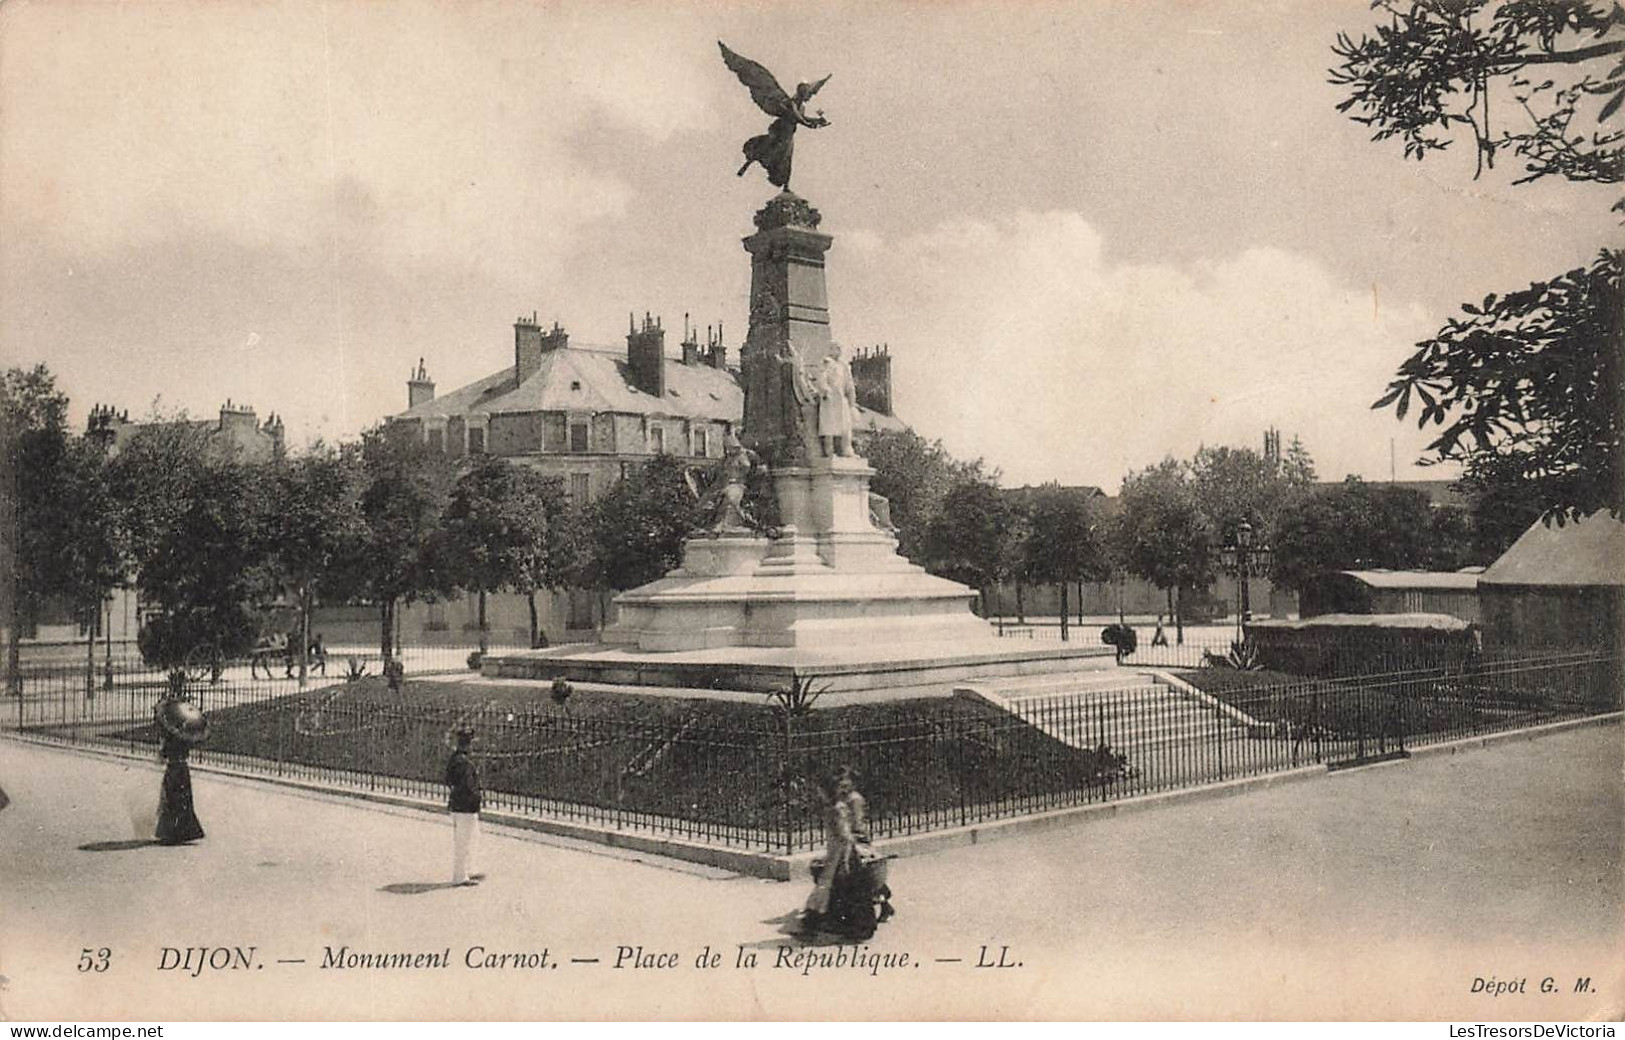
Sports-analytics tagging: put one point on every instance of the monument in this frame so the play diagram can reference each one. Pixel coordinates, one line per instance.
(824, 593)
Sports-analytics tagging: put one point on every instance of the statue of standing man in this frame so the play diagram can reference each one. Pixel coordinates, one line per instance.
(837, 404)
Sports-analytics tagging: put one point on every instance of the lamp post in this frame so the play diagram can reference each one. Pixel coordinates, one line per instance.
(1244, 559)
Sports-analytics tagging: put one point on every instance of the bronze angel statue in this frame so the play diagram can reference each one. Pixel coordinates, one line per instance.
(773, 149)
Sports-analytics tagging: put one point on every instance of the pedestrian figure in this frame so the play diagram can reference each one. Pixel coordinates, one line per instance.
(841, 901)
(464, 803)
(872, 863)
(289, 655)
(318, 655)
(1159, 637)
(181, 725)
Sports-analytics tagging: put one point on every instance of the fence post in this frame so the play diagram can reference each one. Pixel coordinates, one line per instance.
(786, 756)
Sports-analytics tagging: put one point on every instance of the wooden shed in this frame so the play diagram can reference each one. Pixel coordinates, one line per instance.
(1393, 592)
(1558, 586)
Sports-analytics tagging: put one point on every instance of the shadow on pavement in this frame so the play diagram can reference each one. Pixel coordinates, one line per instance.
(417, 888)
(118, 846)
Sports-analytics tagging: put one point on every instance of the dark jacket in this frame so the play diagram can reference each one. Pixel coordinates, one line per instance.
(464, 782)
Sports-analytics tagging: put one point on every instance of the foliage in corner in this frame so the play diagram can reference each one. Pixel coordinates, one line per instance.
(799, 698)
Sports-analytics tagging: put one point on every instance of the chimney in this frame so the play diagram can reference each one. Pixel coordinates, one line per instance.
(715, 354)
(419, 387)
(691, 343)
(646, 355)
(527, 347)
(871, 378)
(237, 417)
(555, 338)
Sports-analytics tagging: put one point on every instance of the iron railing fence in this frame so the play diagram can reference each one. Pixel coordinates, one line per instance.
(124, 664)
(742, 778)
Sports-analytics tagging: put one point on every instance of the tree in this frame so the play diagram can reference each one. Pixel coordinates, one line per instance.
(404, 487)
(637, 528)
(1527, 387)
(1162, 535)
(495, 534)
(312, 515)
(60, 529)
(197, 545)
(1359, 526)
(915, 475)
(1501, 503)
(975, 536)
(1065, 543)
(1236, 484)
(1451, 542)
(1433, 68)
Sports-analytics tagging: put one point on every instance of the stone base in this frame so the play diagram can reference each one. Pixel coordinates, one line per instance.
(831, 579)
(893, 670)
(739, 590)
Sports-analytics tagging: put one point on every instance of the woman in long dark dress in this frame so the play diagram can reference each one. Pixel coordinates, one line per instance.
(841, 901)
(177, 821)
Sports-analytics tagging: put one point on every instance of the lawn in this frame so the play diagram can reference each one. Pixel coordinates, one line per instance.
(726, 764)
(1418, 705)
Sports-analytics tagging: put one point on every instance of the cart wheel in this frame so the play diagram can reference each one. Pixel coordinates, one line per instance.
(202, 662)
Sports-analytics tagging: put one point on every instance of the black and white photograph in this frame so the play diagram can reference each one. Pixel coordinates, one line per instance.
(990, 510)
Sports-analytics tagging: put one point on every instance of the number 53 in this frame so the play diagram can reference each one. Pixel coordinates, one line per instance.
(95, 960)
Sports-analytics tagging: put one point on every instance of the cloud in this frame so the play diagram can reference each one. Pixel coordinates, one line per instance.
(1022, 340)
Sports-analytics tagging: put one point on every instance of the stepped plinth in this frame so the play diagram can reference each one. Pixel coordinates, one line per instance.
(826, 592)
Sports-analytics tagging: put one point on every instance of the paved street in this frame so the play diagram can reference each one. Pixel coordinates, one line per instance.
(1377, 893)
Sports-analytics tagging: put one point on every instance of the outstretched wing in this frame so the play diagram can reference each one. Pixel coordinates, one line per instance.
(764, 89)
(807, 90)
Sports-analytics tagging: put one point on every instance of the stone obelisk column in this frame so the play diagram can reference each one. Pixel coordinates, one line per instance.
(823, 496)
(789, 331)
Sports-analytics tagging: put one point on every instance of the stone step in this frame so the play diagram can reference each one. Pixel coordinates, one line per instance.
(1135, 713)
(1063, 683)
(1173, 731)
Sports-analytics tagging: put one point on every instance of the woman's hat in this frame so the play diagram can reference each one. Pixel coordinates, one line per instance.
(182, 720)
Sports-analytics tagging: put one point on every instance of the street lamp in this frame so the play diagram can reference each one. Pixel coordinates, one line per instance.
(1244, 560)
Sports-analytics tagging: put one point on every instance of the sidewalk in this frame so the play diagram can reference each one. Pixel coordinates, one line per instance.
(1378, 893)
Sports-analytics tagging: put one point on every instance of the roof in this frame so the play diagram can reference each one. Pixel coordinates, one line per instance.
(1585, 552)
(1465, 581)
(585, 379)
(1438, 622)
(597, 379)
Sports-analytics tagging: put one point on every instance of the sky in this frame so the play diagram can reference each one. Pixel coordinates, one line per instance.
(1092, 234)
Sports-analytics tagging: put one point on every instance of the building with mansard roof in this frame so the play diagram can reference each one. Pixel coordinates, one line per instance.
(586, 413)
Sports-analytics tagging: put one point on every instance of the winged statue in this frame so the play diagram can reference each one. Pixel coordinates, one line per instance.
(773, 150)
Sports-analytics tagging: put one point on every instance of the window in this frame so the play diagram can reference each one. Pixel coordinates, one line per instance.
(476, 441)
(437, 440)
(701, 442)
(657, 438)
(581, 488)
(578, 436)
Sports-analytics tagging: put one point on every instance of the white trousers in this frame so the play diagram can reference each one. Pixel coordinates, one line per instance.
(465, 840)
